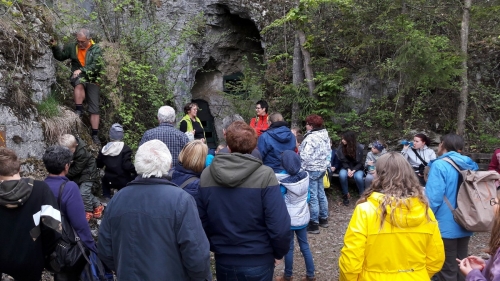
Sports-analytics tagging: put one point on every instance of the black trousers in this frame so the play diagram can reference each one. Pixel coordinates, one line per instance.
(453, 249)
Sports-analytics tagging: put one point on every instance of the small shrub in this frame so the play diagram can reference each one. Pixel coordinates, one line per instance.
(49, 107)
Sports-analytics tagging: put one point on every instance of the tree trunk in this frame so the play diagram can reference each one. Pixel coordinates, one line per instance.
(306, 56)
(464, 40)
(298, 78)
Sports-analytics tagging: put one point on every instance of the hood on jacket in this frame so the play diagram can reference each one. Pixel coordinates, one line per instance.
(280, 133)
(462, 161)
(295, 187)
(113, 148)
(14, 193)
(233, 169)
(409, 214)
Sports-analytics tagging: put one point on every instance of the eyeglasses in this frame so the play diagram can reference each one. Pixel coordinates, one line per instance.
(493, 202)
(258, 108)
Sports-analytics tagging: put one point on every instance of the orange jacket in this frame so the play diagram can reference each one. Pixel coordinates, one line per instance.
(259, 124)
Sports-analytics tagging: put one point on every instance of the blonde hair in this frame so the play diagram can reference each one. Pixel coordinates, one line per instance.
(153, 159)
(194, 155)
(68, 141)
(398, 182)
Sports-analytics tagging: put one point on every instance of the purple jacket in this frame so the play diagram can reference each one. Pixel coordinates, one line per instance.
(72, 208)
(491, 271)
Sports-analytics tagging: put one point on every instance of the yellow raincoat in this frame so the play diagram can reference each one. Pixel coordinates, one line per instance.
(413, 250)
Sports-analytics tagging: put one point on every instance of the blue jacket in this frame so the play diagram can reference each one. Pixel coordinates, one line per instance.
(443, 180)
(243, 212)
(273, 142)
(151, 231)
(181, 174)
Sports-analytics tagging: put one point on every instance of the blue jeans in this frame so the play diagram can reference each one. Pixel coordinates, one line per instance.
(318, 206)
(368, 180)
(306, 252)
(244, 273)
(358, 178)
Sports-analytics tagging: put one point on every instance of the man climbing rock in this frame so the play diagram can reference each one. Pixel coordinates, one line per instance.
(85, 67)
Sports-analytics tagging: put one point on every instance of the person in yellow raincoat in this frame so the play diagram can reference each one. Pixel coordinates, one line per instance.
(393, 234)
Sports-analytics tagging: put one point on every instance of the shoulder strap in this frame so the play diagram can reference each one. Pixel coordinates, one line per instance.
(61, 188)
(418, 155)
(448, 159)
(188, 181)
(460, 179)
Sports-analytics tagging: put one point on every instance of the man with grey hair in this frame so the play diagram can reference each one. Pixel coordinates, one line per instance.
(151, 229)
(167, 133)
(85, 58)
(228, 120)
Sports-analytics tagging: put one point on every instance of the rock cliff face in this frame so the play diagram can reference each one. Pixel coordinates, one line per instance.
(27, 72)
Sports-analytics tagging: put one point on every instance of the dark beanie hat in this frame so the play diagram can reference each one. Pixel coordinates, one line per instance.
(116, 132)
(290, 162)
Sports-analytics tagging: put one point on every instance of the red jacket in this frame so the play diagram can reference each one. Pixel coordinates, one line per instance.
(260, 124)
(495, 161)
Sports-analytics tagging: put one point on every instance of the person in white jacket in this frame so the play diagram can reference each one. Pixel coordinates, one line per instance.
(419, 155)
(295, 185)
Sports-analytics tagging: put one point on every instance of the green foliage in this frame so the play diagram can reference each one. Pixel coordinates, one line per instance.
(139, 60)
(49, 107)
(243, 94)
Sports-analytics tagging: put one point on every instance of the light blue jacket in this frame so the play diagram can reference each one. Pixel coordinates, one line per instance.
(443, 180)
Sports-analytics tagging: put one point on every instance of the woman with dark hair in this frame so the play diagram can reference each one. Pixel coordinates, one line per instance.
(259, 122)
(419, 155)
(393, 234)
(57, 160)
(443, 181)
(350, 154)
(192, 124)
(315, 153)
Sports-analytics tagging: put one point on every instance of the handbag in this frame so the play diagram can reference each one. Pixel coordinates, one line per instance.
(69, 254)
(326, 178)
(95, 270)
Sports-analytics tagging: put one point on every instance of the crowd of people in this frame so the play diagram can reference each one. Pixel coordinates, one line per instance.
(246, 202)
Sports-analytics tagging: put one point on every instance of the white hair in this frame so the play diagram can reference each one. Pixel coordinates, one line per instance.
(68, 141)
(153, 159)
(166, 114)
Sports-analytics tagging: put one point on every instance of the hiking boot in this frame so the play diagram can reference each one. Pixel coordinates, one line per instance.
(323, 222)
(88, 216)
(307, 278)
(98, 211)
(345, 199)
(283, 278)
(79, 113)
(313, 227)
(96, 140)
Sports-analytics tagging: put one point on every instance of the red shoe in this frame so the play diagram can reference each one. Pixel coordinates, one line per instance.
(98, 211)
(88, 216)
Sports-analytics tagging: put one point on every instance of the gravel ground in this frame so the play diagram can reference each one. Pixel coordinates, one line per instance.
(326, 246)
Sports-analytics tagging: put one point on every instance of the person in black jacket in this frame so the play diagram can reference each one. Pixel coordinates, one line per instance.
(350, 154)
(116, 157)
(29, 221)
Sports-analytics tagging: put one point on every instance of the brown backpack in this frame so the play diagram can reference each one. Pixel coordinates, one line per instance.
(475, 191)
